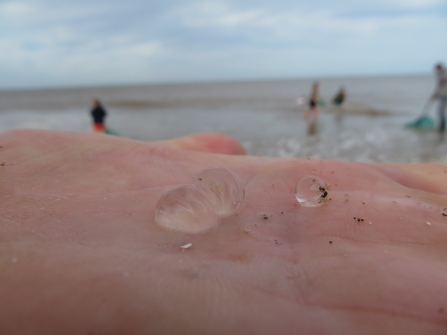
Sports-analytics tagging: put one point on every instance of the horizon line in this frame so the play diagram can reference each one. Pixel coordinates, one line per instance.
(203, 81)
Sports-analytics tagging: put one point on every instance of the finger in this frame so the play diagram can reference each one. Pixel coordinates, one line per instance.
(210, 143)
(425, 177)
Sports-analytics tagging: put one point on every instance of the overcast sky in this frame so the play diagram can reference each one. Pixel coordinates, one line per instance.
(86, 42)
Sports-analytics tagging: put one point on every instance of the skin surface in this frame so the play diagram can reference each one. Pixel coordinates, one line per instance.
(80, 252)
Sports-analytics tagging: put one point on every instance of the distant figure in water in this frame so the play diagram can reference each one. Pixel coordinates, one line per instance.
(98, 114)
(313, 104)
(441, 94)
(340, 97)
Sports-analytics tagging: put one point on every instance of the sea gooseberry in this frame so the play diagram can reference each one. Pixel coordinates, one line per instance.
(185, 208)
(222, 188)
(198, 207)
(311, 191)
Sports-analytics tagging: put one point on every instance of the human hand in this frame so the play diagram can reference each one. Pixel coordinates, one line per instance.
(80, 251)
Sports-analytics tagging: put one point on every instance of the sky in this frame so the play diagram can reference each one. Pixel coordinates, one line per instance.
(64, 43)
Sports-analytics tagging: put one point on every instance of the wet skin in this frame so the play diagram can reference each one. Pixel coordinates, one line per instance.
(80, 252)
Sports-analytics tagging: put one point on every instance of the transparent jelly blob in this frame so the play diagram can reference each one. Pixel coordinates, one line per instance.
(198, 207)
(222, 189)
(185, 209)
(311, 191)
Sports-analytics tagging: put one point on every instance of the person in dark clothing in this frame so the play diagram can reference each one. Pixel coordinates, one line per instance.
(98, 114)
(313, 103)
(340, 97)
(441, 94)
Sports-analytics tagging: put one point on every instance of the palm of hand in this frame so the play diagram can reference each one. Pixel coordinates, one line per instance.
(81, 252)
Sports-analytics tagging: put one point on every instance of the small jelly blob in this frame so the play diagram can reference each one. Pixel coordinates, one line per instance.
(311, 191)
(222, 188)
(185, 209)
(195, 208)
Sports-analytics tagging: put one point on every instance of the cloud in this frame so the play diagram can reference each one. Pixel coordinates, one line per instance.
(51, 42)
(416, 4)
(205, 14)
(282, 26)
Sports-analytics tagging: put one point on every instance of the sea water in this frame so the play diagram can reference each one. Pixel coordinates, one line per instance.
(263, 115)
